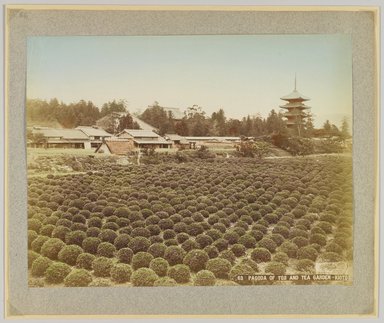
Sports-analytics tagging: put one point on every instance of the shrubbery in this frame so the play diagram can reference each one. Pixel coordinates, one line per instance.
(196, 260)
(220, 267)
(261, 255)
(204, 278)
(69, 254)
(121, 273)
(180, 273)
(144, 277)
(56, 272)
(102, 266)
(78, 278)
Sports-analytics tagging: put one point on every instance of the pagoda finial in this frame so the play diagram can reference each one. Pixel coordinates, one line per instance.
(295, 81)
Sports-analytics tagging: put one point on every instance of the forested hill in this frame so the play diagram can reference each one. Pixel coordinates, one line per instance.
(58, 114)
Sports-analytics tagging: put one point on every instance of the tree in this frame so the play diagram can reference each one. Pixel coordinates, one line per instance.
(345, 129)
(327, 127)
(218, 121)
(119, 106)
(36, 139)
(275, 122)
(249, 148)
(126, 122)
(157, 117)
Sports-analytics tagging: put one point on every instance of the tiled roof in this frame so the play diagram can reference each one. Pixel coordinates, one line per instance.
(62, 133)
(295, 96)
(119, 147)
(94, 132)
(160, 141)
(141, 133)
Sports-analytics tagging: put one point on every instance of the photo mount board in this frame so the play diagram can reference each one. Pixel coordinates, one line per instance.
(360, 299)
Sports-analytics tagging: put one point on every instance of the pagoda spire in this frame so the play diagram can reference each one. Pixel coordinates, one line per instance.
(295, 81)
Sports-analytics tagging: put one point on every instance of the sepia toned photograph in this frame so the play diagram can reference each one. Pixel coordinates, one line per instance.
(189, 160)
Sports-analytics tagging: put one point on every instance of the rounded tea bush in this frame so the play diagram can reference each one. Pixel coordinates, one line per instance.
(248, 241)
(141, 259)
(125, 255)
(300, 241)
(85, 260)
(329, 257)
(174, 255)
(157, 249)
(102, 266)
(307, 253)
(121, 273)
(180, 273)
(334, 247)
(211, 251)
(144, 277)
(220, 267)
(261, 255)
(106, 249)
(189, 245)
(204, 278)
(138, 244)
(276, 268)
(69, 254)
(40, 266)
(228, 255)
(75, 237)
(122, 241)
(100, 282)
(238, 250)
(319, 239)
(196, 260)
(289, 248)
(38, 243)
(159, 266)
(56, 272)
(281, 257)
(51, 248)
(107, 235)
(60, 232)
(268, 244)
(165, 282)
(90, 244)
(78, 278)
(239, 274)
(32, 256)
(305, 265)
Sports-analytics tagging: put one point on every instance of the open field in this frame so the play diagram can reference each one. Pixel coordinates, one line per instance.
(203, 222)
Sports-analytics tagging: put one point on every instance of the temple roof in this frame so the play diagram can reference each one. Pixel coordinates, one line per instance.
(295, 95)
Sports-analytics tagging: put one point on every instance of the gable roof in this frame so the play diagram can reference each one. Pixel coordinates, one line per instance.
(117, 147)
(175, 137)
(94, 131)
(140, 133)
(65, 134)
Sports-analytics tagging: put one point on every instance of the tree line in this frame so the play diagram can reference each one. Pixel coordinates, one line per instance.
(194, 123)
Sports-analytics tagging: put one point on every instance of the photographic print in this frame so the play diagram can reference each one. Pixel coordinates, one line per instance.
(189, 160)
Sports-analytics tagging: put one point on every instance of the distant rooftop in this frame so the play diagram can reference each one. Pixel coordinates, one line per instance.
(141, 133)
(94, 131)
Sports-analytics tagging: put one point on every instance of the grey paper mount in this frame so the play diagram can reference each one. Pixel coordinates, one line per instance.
(357, 299)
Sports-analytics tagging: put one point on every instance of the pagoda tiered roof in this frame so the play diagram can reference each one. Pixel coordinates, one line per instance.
(295, 96)
(292, 105)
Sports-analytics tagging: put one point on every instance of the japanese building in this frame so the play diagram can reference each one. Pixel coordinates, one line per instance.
(296, 111)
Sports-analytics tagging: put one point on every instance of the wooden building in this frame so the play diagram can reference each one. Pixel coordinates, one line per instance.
(295, 115)
(145, 138)
(95, 135)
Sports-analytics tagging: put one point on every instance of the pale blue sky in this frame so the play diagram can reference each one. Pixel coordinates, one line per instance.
(241, 74)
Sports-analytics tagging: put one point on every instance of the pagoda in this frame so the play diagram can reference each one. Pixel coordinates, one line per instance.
(295, 115)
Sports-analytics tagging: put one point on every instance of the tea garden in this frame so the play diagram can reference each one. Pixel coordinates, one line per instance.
(200, 222)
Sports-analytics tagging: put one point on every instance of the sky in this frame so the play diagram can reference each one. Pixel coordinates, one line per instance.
(242, 74)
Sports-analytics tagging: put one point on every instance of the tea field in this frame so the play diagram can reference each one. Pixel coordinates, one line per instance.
(202, 222)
